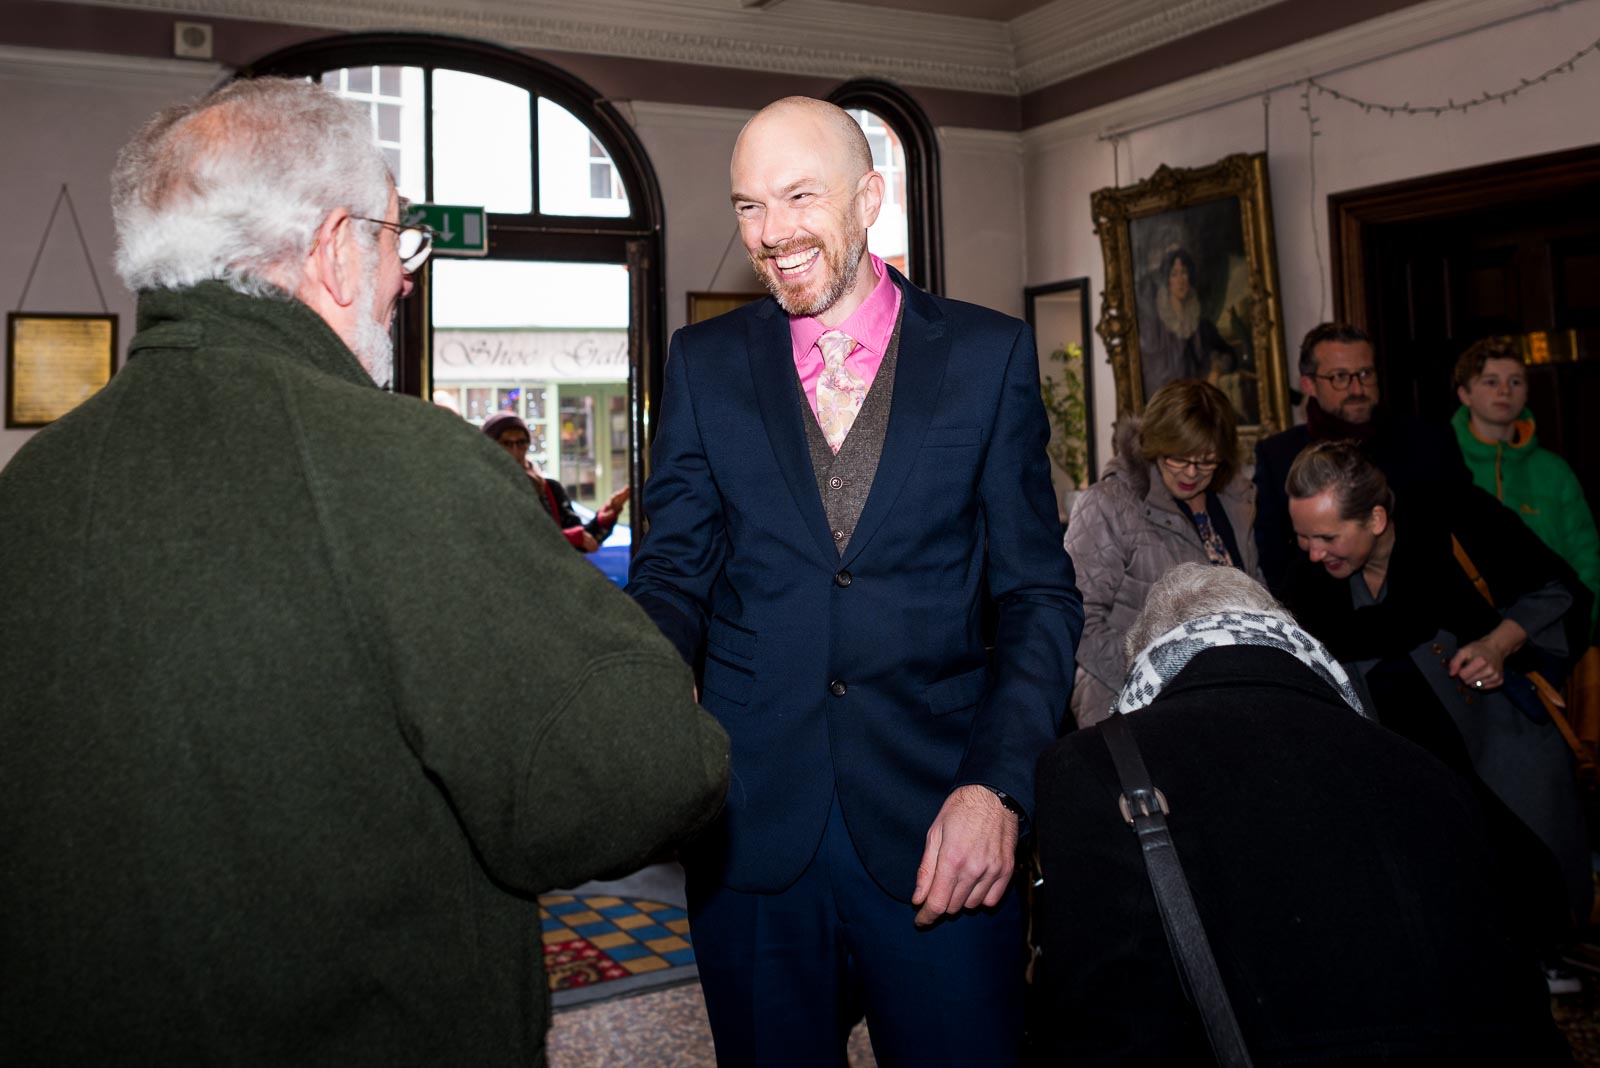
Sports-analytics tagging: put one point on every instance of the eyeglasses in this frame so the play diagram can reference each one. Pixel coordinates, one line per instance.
(515, 443)
(414, 243)
(1341, 379)
(1180, 463)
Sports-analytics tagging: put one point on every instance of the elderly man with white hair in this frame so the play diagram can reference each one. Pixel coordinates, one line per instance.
(279, 781)
(1356, 893)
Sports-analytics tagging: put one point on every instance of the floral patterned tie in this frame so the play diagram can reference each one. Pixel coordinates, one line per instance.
(840, 391)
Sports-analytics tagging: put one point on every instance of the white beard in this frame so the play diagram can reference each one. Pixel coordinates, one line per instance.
(373, 344)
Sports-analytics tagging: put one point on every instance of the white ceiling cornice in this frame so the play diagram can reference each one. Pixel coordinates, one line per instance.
(824, 38)
(821, 38)
(1071, 37)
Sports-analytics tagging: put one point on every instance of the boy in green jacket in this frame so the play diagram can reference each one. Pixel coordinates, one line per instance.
(1496, 432)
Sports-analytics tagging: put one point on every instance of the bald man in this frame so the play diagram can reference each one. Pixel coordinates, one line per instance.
(842, 477)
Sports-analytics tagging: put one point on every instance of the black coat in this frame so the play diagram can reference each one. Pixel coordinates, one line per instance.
(1348, 882)
(1409, 452)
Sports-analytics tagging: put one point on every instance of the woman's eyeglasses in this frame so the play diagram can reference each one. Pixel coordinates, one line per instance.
(1176, 464)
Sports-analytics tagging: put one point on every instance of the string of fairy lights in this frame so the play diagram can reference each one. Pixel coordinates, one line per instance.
(1310, 86)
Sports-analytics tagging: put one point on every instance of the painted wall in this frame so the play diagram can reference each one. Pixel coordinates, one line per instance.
(1066, 161)
(65, 117)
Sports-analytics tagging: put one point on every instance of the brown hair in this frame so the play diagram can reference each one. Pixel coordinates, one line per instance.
(1358, 486)
(1189, 417)
(1501, 347)
(1341, 333)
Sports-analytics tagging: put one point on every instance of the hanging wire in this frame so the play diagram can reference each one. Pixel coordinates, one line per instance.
(82, 243)
(1316, 236)
(1266, 125)
(711, 285)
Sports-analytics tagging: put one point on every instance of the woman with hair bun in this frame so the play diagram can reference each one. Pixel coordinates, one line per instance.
(1439, 606)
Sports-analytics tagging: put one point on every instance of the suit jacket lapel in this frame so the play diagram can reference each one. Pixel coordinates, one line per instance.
(924, 354)
(771, 352)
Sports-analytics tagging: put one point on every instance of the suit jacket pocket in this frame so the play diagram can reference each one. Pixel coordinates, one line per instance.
(730, 641)
(951, 437)
(727, 681)
(954, 694)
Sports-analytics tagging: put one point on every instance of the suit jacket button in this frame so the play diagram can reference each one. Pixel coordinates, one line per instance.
(843, 580)
(838, 535)
(835, 482)
(838, 688)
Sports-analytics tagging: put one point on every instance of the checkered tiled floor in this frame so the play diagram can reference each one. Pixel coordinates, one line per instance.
(591, 939)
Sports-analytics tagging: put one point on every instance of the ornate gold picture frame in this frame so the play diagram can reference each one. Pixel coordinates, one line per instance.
(1192, 288)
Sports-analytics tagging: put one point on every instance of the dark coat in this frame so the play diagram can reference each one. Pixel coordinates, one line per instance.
(1349, 884)
(1410, 453)
(279, 779)
(864, 673)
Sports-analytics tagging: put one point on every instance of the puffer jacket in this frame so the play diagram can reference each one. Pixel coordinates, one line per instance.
(1125, 531)
(1539, 486)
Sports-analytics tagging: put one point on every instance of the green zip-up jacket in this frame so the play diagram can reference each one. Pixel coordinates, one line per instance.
(303, 699)
(1539, 486)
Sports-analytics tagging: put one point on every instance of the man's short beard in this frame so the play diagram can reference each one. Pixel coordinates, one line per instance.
(844, 277)
(373, 345)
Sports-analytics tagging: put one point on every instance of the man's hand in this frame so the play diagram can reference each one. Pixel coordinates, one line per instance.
(972, 847)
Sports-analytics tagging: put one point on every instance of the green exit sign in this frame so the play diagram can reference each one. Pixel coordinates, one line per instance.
(457, 230)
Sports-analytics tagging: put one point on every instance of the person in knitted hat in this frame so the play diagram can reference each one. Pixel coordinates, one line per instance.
(508, 431)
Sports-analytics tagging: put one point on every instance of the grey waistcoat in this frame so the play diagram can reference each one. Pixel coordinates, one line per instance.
(844, 480)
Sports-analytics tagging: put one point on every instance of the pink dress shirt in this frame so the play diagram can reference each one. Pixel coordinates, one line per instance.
(871, 325)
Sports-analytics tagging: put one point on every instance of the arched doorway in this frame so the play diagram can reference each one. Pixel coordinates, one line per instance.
(561, 320)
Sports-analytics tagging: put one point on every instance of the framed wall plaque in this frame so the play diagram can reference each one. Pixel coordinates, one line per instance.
(54, 363)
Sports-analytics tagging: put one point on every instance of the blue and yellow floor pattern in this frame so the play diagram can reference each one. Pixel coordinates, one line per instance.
(597, 939)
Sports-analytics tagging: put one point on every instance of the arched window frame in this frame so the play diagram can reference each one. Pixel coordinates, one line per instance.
(924, 214)
(636, 239)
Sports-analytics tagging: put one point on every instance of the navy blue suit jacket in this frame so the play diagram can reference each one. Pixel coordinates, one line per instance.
(866, 673)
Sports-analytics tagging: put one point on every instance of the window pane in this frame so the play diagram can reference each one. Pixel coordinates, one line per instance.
(389, 122)
(567, 152)
(395, 108)
(887, 237)
(548, 341)
(481, 143)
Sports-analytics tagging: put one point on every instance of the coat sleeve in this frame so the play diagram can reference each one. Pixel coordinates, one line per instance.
(685, 542)
(547, 709)
(1038, 608)
(1101, 555)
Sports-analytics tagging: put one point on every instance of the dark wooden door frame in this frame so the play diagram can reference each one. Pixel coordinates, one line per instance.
(1439, 196)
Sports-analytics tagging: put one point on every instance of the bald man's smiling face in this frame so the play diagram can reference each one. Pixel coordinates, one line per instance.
(803, 213)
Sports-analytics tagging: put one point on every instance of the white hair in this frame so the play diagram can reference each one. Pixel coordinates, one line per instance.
(232, 188)
(1189, 591)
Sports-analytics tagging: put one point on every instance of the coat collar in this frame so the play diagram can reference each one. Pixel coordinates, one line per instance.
(212, 315)
(923, 355)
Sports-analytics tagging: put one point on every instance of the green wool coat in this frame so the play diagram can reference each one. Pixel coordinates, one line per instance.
(1539, 486)
(303, 698)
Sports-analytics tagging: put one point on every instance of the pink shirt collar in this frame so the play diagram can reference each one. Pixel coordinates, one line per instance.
(871, 325)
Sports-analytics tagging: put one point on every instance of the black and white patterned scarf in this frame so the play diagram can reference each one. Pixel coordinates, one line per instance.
(1161, 661)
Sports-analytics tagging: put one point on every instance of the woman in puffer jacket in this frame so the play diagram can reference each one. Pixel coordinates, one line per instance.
(1173, 494)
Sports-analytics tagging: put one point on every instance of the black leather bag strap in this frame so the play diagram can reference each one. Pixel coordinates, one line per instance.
(1144, 807)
